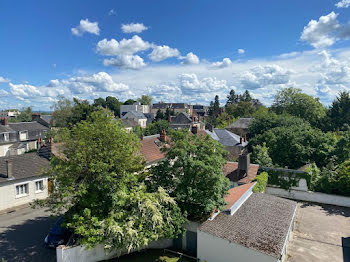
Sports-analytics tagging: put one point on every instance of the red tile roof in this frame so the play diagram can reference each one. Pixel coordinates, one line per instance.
(231, 172)
(150, 150)
(235, 193)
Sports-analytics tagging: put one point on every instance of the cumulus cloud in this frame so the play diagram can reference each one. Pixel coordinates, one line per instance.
(343, 4)
(226, 62)
(160, 53)
(190, 59)
(24, 90)
(3, 92)
(86, 26)
(190, 84)
(265, 76)
(125, 62)
(124, 47)
(134, 28)
(240, 51)
(321, 33)
(4, 80)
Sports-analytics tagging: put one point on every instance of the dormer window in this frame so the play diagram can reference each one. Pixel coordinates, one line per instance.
(23, 135)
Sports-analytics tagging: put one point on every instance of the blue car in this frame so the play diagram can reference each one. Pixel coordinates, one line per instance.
(57, 235)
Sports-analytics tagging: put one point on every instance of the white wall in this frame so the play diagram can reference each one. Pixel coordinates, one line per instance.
(98, 253)
(8, 197)
(4, 150)
(309, 196)
(214, 249)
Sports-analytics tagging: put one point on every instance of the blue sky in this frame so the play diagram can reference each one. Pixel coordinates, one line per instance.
(172, 50)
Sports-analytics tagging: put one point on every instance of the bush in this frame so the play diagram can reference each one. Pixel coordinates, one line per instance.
(261, 182)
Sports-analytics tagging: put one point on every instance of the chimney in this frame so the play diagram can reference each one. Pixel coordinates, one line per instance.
(192, 118)
(36, 116)
(194, 130)
(141, 137)
(199, 117)
(240, 140)
(244, 163)
(162, 137)
(9, 168)
(40, 142)
(4, 121)
(245, 138)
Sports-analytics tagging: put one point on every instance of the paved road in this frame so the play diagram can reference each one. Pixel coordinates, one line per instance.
(22, 235)
(321, 234)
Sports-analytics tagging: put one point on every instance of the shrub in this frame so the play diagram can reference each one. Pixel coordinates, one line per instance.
(261, 182)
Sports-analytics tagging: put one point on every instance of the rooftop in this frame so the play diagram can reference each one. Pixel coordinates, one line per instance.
(235, 193)
(231, 172)
(261, 223)
(29, 126)
(226, 137)
(134, 114)
(23, 166)
(150, 149)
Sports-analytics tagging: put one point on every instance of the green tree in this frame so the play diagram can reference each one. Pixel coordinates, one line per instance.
(232, 98)
(342, 148)
(129, 102)
(245, 97)
(100, 182)
(100, 102)
(222, 120)
(159, 115)
(339, 112)
(113, 104)
(145, 100)
(241, 109)
(261, 156)
(62, 111)
(156, 128)
(192, 174)
(292, 101)
(81, 110)
(25, 115)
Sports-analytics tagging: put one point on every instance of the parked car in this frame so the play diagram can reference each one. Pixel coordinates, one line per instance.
(57, 235)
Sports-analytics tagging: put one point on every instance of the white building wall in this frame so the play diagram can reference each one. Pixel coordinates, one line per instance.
(98, 253)
(214, 249)
(8, 197)
(4, 150)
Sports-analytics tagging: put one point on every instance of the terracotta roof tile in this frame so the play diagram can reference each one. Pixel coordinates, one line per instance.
(235, 193)
(150, 150)
(231, 172)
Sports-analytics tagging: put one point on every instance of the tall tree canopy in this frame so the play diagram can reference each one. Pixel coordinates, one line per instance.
(294, 102)
(339, 112)
(192, 174)
(145, 100)
(25, 115)
(100, 184)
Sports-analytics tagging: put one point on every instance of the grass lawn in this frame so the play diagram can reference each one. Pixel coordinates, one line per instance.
(152, 256)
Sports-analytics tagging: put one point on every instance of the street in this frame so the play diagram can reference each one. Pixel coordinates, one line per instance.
(22, 235)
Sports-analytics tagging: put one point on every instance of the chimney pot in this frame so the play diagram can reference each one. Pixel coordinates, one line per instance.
(244, 163)
(245, 138)
(9, 172)
(194, 130)
(162, 137)
(4, 121)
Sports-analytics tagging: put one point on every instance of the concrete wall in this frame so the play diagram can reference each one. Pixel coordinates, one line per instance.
(8, 197)
(309, 196)
(214, 249)
(98, 253)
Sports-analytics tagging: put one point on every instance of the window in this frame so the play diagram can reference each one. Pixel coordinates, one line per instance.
(39, 186)
(23, 135)
(22, 190)
(6, 137)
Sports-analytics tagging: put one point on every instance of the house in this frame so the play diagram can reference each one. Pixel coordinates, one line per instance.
(124, 109)
(185, 121)
(200, 110)
(129, 124)
(45, 120)
(240, 126)
(137, 116)
(151, 148)
(177, 107)
(22, 179)
(233, 143)
(10, 113)
(18, 138)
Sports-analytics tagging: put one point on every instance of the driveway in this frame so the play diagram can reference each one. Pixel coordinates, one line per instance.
(321, 233)
(22, 235)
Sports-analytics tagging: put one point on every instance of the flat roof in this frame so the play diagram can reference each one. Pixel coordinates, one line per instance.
(261, 223)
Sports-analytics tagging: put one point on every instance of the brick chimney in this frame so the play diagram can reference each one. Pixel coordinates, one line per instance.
(162, 137)
(240, 140)
(244, 163)
(9, 173)
(245, 138)
(36, 116)
(4, 121)
(194, 130)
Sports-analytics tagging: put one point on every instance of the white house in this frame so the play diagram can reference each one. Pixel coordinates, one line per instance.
(145, 109)
(21, 179)
(138, 117)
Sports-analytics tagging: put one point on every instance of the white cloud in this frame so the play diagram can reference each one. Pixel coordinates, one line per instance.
(86, 26)
(190, 59)
(134, 28)
(100, 82)
(321, 33)
(240, 51)
(112, 12)
(3, 92)
(226, 62)
(343, 4)
(4, 80)
(125, 62)
(124, 47)
(24, 90)
(160, 53)
(190, 84)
